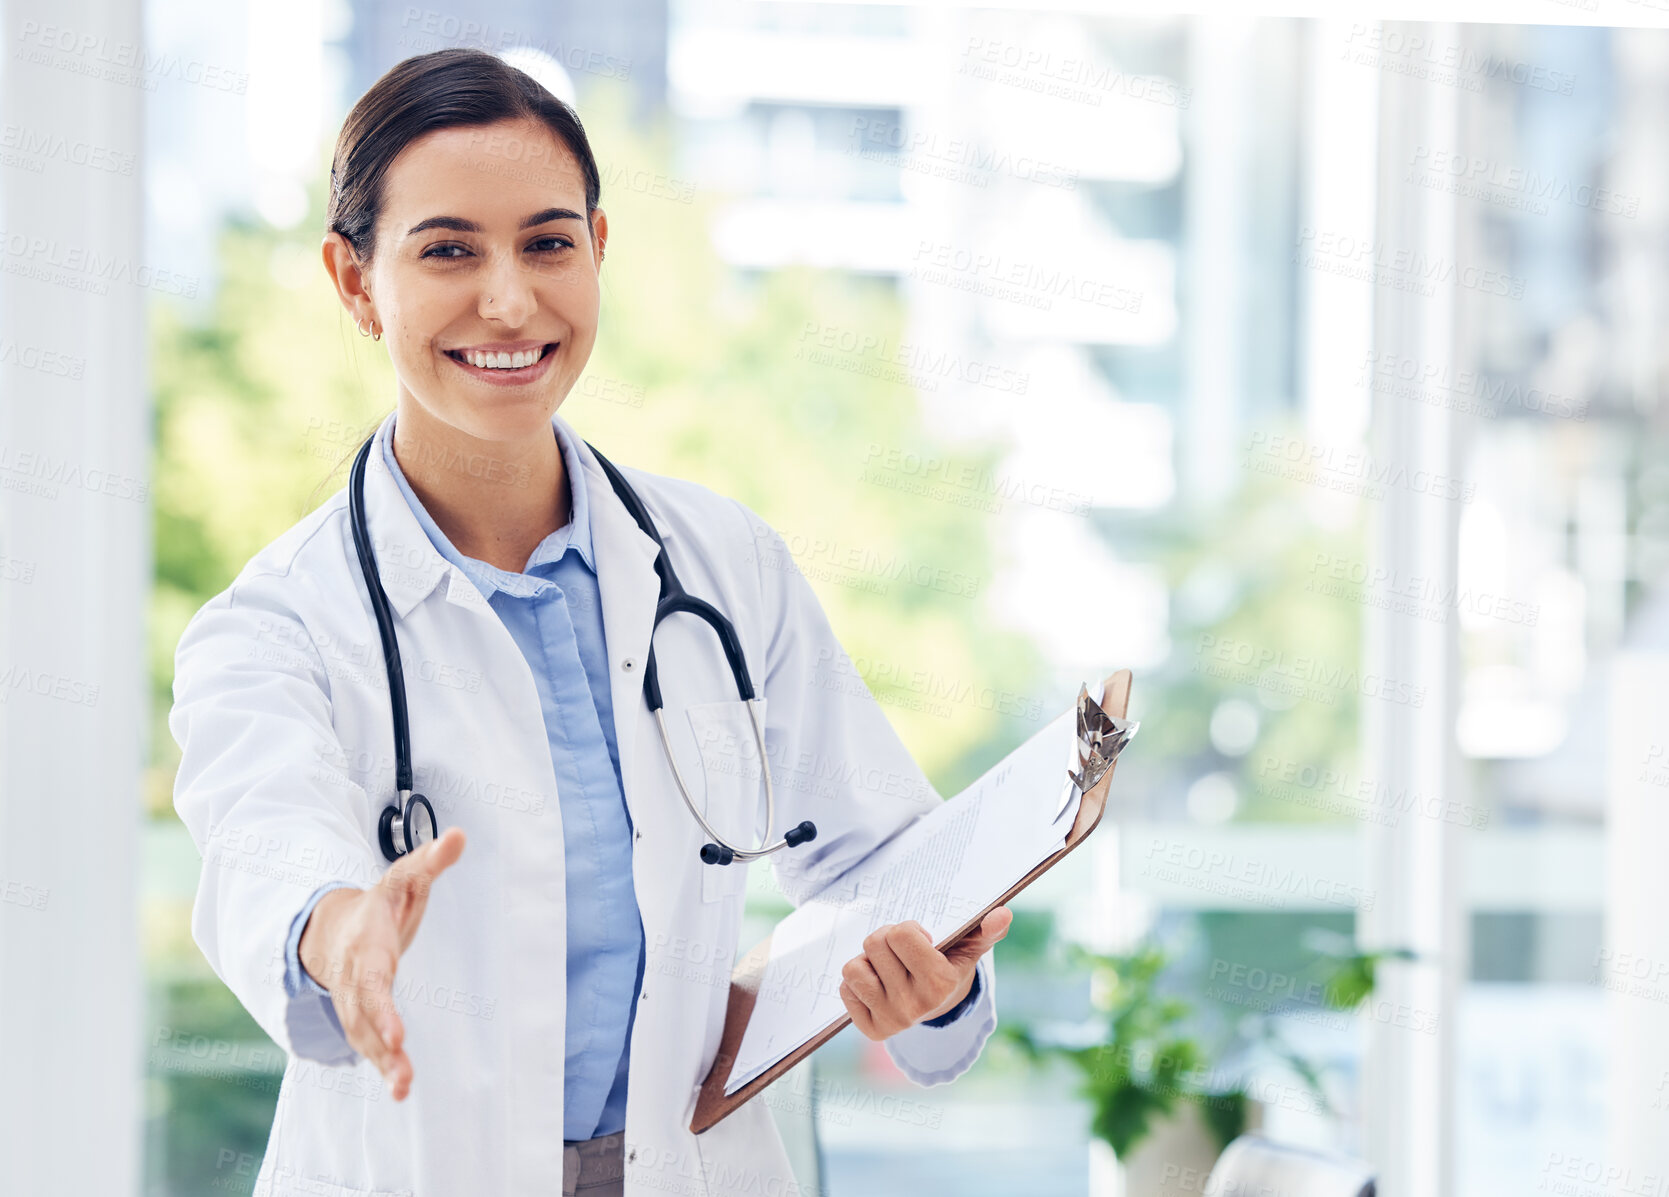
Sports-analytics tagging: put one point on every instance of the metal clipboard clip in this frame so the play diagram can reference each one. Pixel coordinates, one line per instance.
(1101, 737)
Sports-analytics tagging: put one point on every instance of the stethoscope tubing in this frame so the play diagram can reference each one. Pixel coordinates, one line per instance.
(398, 828)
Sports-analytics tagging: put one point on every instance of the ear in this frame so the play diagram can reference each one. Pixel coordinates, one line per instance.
(599, 235)
(346, 272)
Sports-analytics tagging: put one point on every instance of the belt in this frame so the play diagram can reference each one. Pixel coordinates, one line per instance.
(589, 1164)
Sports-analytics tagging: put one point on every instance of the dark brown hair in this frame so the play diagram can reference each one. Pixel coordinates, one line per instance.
(451, 88)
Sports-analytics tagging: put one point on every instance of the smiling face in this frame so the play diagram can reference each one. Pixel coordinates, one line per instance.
(484, 279)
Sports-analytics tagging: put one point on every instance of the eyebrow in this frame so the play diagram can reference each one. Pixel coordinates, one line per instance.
(459, 224)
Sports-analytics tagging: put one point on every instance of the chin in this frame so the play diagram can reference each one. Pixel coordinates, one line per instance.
(509, 421)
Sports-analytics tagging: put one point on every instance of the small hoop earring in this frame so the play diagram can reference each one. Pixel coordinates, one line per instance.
(375, 335)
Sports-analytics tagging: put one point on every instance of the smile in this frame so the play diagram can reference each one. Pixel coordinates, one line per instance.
(506, 367)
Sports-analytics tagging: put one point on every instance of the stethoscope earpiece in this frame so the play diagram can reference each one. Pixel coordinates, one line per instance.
(793, 838)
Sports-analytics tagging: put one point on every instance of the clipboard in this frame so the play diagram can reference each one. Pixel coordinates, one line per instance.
(712, 1105)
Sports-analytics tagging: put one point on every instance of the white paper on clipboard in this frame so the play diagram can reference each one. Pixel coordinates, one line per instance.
(940, 871)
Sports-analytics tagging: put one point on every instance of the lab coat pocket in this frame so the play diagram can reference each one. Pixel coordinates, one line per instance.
(732, 793)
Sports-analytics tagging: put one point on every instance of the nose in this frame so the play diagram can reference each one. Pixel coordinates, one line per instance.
(506, 292)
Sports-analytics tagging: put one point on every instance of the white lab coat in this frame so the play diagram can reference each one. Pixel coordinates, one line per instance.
(282, 715)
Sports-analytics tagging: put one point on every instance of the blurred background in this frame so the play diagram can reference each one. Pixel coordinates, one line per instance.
(1311, 368)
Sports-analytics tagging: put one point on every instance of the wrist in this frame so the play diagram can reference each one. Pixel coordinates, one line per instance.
(316, 950)
(955, 1000)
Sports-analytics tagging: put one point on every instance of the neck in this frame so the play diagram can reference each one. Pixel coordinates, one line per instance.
(494, 500)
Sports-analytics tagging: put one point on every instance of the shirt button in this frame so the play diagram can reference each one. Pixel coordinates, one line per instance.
(628, 664)
(639, 834)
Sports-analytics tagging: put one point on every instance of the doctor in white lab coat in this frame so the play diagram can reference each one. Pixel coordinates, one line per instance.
(438, 1068)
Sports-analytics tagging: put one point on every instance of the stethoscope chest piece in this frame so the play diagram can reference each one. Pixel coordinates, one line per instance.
(406, 827)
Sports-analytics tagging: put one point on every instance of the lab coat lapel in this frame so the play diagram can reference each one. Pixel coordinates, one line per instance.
(629, 589)
(408, 564)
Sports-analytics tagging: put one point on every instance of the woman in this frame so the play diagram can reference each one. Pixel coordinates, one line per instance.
(552, 1023)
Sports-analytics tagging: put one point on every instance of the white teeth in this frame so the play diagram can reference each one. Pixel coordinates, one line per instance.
(502, 361)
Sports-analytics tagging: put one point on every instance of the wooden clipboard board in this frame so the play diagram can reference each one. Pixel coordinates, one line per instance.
(712, 1106)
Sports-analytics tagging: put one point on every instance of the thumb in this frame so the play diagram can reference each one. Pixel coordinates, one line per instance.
(431, 860)
(977, 942)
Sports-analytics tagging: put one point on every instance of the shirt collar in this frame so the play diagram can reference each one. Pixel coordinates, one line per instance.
(575, 534)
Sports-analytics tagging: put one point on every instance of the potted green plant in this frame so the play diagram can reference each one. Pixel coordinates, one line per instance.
(1145, 1059)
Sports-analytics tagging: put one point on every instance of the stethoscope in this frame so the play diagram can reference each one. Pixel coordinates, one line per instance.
(409, 822)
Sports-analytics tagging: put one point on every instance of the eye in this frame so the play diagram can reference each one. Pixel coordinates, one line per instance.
(434, 251)
(559, 243)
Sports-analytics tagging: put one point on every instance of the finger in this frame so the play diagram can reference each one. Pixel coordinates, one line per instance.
(896, 982)
(360, 1027)
(861, 1017)
(396, 1070)
(914, 947)
(992, 927)
(369, 996)
(859, 973)
(379, 1033)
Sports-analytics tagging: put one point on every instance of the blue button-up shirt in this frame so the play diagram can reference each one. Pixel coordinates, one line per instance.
(553, 610)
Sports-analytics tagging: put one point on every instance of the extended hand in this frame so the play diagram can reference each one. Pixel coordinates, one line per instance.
(353, 942)
(901, 978)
